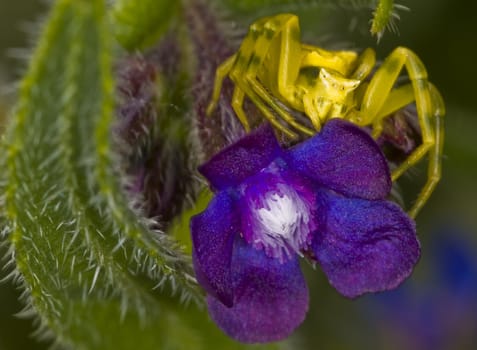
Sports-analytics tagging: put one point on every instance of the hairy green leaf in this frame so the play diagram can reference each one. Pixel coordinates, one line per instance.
(88, 263)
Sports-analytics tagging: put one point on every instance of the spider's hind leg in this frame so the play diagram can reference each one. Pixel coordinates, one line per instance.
(220, 74)
(235, 64)
(430, 110)
(237, 105)
(435, 153)
(278, 48)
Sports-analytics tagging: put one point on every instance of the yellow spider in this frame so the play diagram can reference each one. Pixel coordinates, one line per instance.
(273, 65)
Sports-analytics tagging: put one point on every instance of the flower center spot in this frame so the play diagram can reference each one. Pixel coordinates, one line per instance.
(280, 217)
(281, 223)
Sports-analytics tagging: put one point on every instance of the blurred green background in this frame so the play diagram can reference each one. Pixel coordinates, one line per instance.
(443, 33)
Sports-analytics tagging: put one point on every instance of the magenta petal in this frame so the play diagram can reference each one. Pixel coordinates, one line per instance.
(242, 159)
(213, 233)
(345, 158)
(364, 246)
(270, 301)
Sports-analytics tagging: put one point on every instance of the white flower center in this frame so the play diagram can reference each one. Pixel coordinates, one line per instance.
(282, 223)
(280, 217)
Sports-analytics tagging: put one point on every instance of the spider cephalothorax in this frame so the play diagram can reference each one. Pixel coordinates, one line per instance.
(273, 64)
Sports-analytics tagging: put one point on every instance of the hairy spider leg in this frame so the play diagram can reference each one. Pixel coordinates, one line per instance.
(225, 69)
(252, 52)
(284, 49)
(398, 98)
(221, 72)
(435, 153)
(428, 104)
(364, 64)
(230, 63)
(237, 104)
(246, 66)
(234, 67)
(284, 59)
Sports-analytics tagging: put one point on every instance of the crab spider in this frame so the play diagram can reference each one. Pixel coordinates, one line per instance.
(273, 65)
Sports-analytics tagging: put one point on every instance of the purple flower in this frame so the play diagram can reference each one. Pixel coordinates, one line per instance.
(324, 199)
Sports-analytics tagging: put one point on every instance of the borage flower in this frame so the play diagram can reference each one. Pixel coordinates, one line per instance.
(324, 199)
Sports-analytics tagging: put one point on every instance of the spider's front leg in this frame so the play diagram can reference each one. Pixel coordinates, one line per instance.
(221, 72)
(274, 66)
(381, 99)
(233, 67)
(249, 62)
(268, 61)
(435, 153)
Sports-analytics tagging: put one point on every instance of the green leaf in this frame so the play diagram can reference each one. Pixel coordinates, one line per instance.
(138, 24)
(92, 270)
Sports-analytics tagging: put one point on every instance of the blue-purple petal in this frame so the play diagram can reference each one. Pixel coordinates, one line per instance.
(345, 158)
(270, 298)
(364, 246)
(242, 159)
(213, 233)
